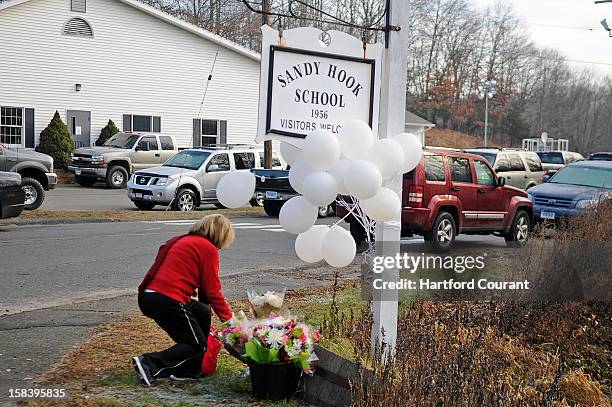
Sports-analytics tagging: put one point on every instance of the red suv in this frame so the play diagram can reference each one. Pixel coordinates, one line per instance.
(452, 192)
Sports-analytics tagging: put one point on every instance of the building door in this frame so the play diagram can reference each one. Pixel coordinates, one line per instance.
(79, 123)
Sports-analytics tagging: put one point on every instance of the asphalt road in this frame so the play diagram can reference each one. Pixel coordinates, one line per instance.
(73, 197)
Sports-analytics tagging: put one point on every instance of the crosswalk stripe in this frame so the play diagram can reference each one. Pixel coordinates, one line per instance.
(257, 226)
(239, 225)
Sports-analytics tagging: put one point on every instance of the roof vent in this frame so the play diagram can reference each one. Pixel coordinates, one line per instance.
(78, 5)
(79, 27)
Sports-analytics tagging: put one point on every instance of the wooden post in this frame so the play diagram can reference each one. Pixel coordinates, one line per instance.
(266, 6)
(391, 123)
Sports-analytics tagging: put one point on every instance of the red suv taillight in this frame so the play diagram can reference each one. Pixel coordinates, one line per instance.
(415, 196)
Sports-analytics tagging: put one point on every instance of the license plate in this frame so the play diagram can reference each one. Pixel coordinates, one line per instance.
(77, 171)
(138, 195)
(271, 194)
(547, 215)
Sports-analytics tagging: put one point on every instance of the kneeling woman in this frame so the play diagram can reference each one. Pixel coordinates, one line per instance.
(183, 265)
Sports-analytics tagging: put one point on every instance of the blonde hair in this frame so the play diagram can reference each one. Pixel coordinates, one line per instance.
(216, 228)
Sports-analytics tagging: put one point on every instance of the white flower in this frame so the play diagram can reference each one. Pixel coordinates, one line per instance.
(295, 349)
(274, 338)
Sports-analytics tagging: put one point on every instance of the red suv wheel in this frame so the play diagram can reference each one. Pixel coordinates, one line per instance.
(443, 232)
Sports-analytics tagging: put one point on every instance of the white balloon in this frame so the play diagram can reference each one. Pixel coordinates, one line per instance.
(337, 171)
(320, 188)
(355, 138)
(388, 155)
(383, 206)
(363, 179)
(309, 245)
(297, 215)
(321, 149)
(297, 173)
(338, 247)
(236, 189)
(413, 150)
(290, 153)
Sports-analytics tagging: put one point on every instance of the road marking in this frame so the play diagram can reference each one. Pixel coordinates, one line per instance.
(242, 225)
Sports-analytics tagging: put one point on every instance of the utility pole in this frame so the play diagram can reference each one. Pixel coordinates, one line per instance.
(266, 6)
(487, 91)
(392, 122)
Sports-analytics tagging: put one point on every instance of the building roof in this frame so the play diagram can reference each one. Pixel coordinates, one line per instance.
(414, 120)
(200, 32)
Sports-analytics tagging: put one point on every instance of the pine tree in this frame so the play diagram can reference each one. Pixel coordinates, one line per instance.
(107, 132)
(56, 141)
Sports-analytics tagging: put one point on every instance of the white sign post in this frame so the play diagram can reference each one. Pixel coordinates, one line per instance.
(392, 122)
(308, 85)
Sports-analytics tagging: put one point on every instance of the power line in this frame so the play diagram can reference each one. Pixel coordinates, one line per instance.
(567, 27)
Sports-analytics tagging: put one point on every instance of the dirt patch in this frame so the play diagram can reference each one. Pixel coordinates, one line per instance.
(439, 137)
(136, 215)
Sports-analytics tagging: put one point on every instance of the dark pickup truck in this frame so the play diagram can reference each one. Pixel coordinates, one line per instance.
(273, 188)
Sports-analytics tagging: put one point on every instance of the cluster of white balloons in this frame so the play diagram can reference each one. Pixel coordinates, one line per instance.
(351, 163)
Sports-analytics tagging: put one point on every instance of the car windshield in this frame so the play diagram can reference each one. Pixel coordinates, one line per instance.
(122, 140)
(585, 176)
(490, 157)
(551, 158)
(191, 160)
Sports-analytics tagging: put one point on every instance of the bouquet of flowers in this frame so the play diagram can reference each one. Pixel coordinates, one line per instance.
(274, 339)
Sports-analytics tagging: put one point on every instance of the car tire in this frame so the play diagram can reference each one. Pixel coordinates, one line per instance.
(35, 193)
(144, 206)
(257, 202)
(272, 208)
(117, 177)
(184, 201)
(84, 181)
(324, 211)
(443, 232)
(518, 234)
(220, 205)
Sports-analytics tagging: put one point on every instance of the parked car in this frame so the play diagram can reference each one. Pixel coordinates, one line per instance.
(36, 170)
(190, 178)
(521, 169)
(574, 189)
(600, 157)
(12, 196)
(450, 193)
(119, 157)
(274, 189)
(554, 160)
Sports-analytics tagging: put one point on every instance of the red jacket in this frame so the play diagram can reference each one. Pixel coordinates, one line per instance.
(184, 264)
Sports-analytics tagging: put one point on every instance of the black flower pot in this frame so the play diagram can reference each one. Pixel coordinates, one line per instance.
(274, 381)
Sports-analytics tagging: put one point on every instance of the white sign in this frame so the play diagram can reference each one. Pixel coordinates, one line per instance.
(312, 90)
(306, 85)
(77, 131)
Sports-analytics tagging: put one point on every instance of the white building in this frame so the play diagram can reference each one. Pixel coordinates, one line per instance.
(417, 125)
(95, 60)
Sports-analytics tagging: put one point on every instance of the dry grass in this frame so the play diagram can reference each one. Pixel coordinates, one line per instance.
(439, 137)
(136, 215)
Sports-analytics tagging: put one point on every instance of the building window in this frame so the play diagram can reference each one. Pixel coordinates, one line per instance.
(11, 125)
(210, 132)
(78, 5)
(146, 124)
(79, 27)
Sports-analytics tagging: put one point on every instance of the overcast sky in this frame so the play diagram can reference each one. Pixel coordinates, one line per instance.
(564, 24)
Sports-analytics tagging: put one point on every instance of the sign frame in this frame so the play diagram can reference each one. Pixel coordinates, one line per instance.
(274, 48)
(337, 46)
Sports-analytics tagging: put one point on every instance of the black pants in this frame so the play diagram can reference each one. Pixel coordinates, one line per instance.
(188, 325)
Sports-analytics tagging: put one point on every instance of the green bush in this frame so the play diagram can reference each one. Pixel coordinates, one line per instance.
(107, 132)
(56, 141)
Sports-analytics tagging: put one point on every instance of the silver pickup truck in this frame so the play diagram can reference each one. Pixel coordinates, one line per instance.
(36, 170)
(119, 157)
